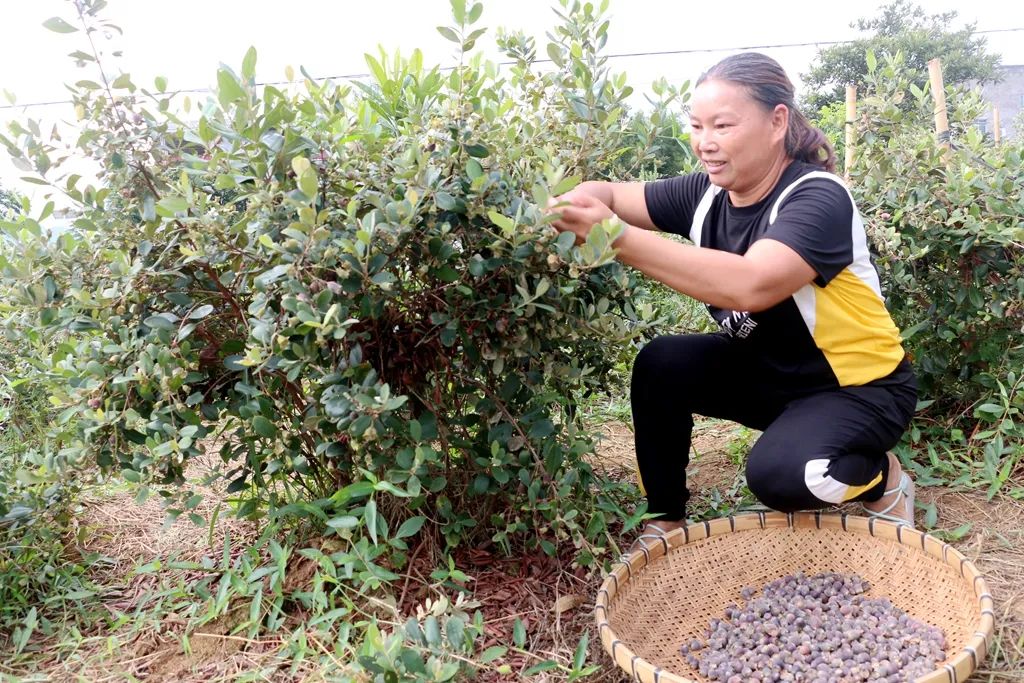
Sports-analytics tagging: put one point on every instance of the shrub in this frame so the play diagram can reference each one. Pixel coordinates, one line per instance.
(949, 234)
(355, 287)
(42, 581)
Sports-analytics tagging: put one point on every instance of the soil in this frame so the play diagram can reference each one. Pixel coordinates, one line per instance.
(552, 597)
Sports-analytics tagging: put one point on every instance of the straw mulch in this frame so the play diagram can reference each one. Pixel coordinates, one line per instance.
(552, 598)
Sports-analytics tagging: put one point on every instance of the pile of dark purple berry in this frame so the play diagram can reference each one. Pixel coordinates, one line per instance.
(814, 629)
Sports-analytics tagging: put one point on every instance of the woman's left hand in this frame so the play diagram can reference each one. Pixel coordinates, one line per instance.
(580, 214)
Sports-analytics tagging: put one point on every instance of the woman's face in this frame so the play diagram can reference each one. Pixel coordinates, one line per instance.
(736, 139)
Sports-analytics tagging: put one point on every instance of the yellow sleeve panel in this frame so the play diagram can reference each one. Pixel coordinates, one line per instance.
(854, 331)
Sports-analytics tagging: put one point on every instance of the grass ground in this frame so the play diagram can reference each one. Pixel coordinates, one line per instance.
(145, 564)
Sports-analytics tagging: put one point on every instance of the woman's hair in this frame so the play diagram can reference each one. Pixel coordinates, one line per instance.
(768, 84)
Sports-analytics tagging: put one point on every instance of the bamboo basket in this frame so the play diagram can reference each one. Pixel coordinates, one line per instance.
(661, 597)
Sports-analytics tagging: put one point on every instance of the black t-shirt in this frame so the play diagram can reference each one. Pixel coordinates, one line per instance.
(832, 332)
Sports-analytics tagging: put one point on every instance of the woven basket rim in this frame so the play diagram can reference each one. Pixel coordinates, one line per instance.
(952, 671)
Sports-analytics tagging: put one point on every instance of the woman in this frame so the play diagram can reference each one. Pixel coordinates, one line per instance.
(807, 352)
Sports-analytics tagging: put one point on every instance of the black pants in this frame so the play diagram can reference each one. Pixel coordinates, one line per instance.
(817, 449)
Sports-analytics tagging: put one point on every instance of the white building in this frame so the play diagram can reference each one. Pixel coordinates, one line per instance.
(1007, 95)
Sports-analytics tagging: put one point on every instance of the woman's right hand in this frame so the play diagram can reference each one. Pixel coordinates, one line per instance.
(579, 212)
(625, 200)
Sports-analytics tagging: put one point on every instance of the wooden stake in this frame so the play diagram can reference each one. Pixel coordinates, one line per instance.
(851, 115)
(995, 125)
(939, 95)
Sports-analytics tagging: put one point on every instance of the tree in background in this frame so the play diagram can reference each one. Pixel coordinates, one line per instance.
(900, 26)
(657, 144)
(10, 204)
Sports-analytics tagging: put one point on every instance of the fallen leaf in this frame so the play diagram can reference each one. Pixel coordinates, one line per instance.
(568, 602)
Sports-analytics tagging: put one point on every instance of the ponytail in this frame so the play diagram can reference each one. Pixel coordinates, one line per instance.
(806, 143)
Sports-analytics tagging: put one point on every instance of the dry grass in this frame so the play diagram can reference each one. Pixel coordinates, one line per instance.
(126, 536)
(127, 533)
(996, 544)
(710, 464)
(553, 599)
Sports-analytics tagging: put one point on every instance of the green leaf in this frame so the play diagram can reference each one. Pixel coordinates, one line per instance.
(264, 427)
(914, 329)
(308, 183)
(555, 54)
(24, 632)
(161, 83)
(990, 409)
(565, 240)
(477, 150)
(376, 69)
(46, 213)
(506, 224)
(249, 64)
(300, 165)
(237, 484)
(185, 331)
(475, 12)
(447, 274)
(546, 665)
(565, 185)
(160, 322)
(360, 425)
(445, 201)
(228, 88)
(370, 514)
(388, 487)
(449, 34)
(410, 527)
(201, 312)
(269, 277)
(459, 11)
(581, 109)
(343, 522)
(581, 652)
(542, 429)
(59, 25)
(455, 630)
(131, 475)
(448, 336)
(432, 631)
(173, 205)
(447, 672)
(959, 532)
(519, 633)
(492, 653)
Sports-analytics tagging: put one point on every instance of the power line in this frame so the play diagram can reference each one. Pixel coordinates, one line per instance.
(620, 55)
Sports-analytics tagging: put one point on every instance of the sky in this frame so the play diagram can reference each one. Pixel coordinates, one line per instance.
(185, 40)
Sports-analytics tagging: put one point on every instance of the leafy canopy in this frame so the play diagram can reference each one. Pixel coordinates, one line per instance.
(900, 26)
